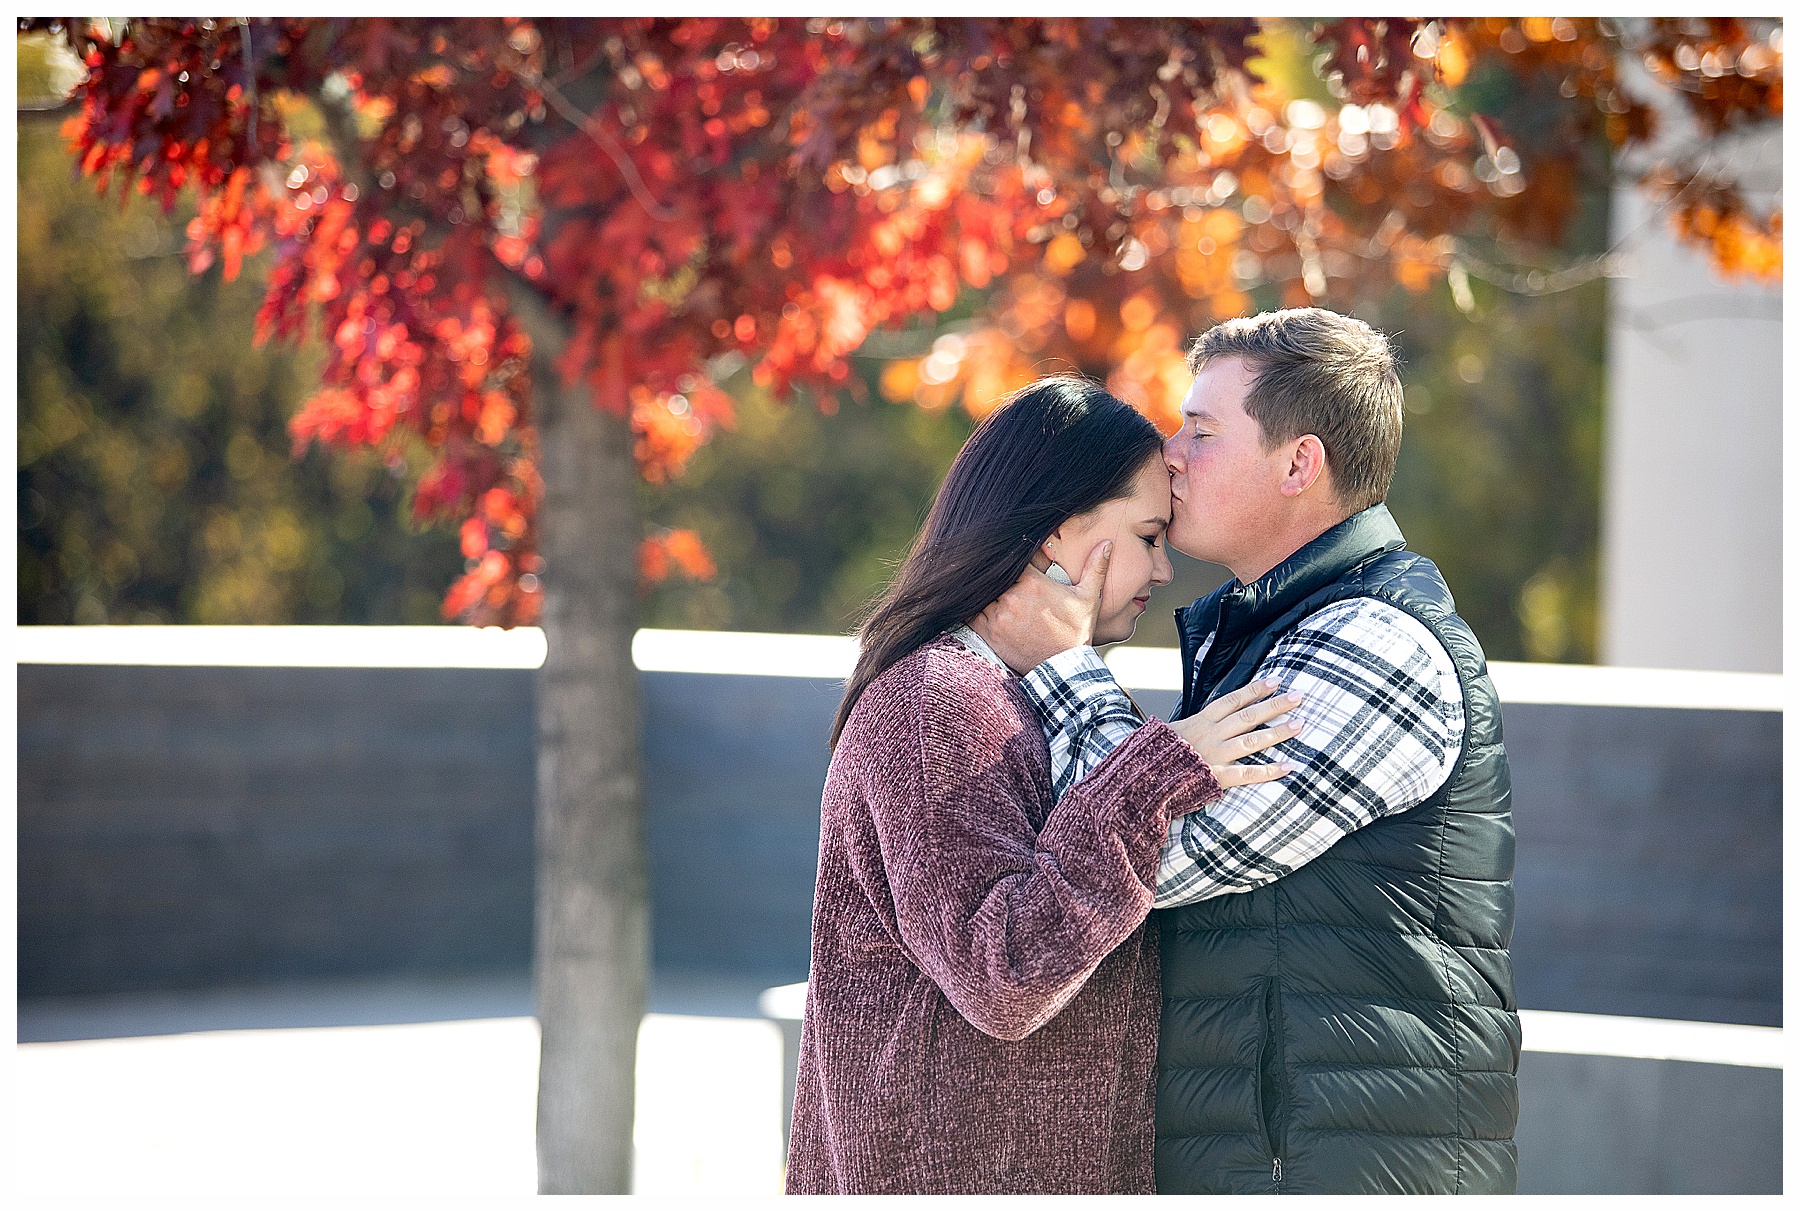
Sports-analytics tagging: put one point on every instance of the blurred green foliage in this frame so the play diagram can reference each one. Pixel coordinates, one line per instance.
(805, 513)
(1499, 477)
(156, 483)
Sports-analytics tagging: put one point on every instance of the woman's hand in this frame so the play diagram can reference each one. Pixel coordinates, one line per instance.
(1038, 617)
(1227, 729)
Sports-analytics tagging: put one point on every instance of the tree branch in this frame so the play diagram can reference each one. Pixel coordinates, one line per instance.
(603, 138)
(249, 80)
(1521, 282)
(340, 125)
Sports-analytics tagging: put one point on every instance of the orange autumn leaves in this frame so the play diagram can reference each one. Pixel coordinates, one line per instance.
(674, 551)
(669, 428)
(1317, 201)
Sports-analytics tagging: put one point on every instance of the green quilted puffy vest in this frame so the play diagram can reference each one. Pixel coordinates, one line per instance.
(1350, 1028)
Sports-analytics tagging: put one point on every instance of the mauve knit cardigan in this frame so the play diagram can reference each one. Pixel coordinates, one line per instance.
(984, 999)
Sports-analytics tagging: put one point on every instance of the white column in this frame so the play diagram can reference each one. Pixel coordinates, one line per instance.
(1690, 544)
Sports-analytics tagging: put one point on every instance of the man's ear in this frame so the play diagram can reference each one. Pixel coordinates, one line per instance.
(1306, 465)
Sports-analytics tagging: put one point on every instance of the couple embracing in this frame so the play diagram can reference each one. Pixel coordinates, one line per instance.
(1062, 946)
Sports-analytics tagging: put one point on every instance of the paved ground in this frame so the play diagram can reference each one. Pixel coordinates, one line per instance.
(416, 1089)
(426, 1088)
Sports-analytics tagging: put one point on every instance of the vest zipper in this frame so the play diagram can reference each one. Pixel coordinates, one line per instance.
(1268, 1070)
(1277, 1175)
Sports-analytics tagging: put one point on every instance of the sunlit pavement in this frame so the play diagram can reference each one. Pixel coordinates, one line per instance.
(406, 1109)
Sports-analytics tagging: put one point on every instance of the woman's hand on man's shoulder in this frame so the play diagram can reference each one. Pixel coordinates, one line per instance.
(1236, 725)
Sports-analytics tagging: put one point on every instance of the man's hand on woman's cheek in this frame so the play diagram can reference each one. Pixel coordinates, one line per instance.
(1038, 618)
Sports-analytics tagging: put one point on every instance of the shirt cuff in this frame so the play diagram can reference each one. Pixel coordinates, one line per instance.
(1162, 770)
(1070, 684)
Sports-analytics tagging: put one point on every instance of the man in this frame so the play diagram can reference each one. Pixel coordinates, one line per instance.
(1338, 1013)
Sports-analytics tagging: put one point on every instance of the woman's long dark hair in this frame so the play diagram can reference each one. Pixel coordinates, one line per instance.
(1055, 449)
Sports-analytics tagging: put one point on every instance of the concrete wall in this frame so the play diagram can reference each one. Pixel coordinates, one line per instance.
(185, 827)
(1649, 861)
(1595, 1125)
(190, 827)
(205, 826)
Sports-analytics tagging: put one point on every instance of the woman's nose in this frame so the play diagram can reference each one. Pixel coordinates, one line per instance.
(1161, 570)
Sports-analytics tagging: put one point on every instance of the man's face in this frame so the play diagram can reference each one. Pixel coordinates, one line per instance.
(1225, 485)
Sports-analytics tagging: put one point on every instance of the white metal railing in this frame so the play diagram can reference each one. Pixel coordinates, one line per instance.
(1522, 682)
(1548, 1031)
(775, 655)
(294, 647)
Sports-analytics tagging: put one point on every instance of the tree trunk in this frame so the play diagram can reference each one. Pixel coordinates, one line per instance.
(592, 947)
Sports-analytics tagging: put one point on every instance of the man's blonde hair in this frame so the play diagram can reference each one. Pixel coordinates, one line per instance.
(1315, 371)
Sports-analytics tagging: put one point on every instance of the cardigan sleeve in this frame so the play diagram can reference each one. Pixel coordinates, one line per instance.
(1006, 920)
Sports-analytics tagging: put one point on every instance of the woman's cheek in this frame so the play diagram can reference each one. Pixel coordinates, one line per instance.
(1124, 577)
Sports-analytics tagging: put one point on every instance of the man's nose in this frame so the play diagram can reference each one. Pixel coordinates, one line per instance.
(1173, 455)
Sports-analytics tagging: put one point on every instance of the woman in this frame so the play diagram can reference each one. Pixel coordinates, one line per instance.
(983, 1006)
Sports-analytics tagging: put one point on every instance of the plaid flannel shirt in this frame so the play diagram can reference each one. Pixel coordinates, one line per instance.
(1382, 725)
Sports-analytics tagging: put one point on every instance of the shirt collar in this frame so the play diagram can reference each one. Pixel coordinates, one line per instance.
(1320, 562)
(967, 637)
